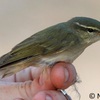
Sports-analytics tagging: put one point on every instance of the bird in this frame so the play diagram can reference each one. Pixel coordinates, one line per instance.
(61, 42)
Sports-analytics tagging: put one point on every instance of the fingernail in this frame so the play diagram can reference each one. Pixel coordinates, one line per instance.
(48, 97)
(66, 74)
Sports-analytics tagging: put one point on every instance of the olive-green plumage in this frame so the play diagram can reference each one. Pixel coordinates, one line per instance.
(61, 42)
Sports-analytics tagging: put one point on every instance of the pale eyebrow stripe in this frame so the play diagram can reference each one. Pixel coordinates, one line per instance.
(84, 26)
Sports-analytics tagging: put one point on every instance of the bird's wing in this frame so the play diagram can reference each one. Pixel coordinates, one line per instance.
(51, 40)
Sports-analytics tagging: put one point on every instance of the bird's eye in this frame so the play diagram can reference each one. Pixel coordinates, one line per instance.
(90, 30)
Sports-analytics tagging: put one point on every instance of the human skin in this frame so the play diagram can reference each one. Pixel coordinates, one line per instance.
(35, 83)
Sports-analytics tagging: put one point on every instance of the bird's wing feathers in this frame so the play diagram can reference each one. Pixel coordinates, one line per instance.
(40, 44)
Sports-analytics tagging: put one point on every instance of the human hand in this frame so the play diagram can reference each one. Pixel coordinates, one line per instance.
(35, 83)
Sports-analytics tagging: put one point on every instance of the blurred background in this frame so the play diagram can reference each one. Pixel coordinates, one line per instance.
(20, 19)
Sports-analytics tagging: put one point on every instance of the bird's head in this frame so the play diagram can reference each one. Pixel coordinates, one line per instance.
(87, 29)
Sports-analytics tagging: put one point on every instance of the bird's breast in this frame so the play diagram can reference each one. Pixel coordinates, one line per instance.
(67, 56)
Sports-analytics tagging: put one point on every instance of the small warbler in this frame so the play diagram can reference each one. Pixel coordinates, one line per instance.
(62, 42)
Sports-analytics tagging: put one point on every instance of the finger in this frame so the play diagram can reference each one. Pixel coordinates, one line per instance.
(12, 90)
(49, 95)
(63, 75)
(25, 75)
